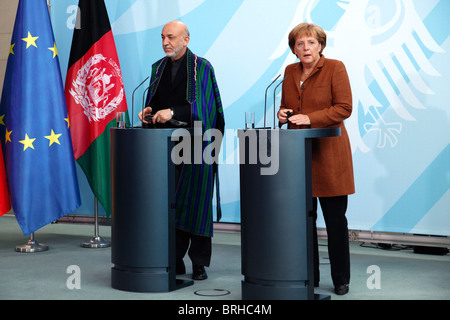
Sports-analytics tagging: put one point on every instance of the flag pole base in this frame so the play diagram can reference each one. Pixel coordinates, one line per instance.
(32, 246)
(96, 242)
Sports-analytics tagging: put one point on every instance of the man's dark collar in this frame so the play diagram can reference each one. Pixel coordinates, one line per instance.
(178, 61)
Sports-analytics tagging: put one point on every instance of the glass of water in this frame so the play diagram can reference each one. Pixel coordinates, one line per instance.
(249, 120)
(120, 119)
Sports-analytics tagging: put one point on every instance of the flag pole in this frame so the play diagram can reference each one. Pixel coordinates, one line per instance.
(96, 241)
(32, 246)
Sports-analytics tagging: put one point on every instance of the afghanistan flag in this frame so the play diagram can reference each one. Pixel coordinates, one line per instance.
(38, 150)
(94, 94)
(5, 204)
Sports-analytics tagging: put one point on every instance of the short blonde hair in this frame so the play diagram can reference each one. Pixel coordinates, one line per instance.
(308, 29)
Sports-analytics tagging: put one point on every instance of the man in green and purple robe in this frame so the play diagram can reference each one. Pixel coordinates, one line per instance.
(183, 87)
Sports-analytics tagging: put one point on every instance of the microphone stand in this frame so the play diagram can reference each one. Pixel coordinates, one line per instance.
(143, 104)
(274, 96)
(143, 99)
(265, 102)
(132, 102)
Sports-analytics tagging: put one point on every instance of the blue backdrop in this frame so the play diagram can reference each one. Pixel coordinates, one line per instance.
(397, 55)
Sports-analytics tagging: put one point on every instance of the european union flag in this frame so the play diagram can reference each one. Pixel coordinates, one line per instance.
(34, 126)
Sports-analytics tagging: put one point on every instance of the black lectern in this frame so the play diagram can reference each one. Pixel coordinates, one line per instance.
(143, 214)
(276, 227)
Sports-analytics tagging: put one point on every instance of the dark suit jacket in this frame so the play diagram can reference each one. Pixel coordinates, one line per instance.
(172, 94)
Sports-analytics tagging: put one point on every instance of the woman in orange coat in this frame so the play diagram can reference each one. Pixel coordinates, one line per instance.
(317, 94)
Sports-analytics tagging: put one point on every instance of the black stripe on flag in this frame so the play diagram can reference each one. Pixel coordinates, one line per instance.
(92, 24)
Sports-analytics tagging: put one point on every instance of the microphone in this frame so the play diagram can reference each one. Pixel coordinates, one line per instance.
(143, 104)
(274, 95)
(132, 102)
(265, 102)
(143, 98)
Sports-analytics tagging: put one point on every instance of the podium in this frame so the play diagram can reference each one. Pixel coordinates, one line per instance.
(276, 224)
(143, 211)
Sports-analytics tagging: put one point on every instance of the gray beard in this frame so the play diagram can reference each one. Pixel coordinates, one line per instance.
(174, 53)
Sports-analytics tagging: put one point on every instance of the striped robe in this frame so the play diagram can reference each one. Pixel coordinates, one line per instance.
(195, 188)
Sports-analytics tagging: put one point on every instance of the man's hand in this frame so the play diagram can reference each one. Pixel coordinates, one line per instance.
(162, 116)
(144, 113)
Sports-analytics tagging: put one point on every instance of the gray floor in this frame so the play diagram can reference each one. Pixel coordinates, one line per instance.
(404, 275)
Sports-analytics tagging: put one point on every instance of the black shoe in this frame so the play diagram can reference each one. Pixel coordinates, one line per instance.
(199, 273)
(341, 289)
(180, 268)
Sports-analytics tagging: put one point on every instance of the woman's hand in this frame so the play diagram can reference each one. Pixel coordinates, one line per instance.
(300, 119)
(282, 115)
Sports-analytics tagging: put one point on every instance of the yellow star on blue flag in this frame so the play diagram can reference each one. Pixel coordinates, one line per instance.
(27, 142)
(30, 40)
(54, 50)
(53, 137)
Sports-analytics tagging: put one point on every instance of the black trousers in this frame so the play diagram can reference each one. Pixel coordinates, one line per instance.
(200, 247)
(334, 209)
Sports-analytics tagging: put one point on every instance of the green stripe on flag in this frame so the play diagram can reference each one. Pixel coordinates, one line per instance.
(96, 164)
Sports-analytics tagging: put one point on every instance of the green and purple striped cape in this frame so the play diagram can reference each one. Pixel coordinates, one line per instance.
(194, 194)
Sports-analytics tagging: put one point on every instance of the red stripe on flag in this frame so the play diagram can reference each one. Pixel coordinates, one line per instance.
(94, 93)
(5, 204)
